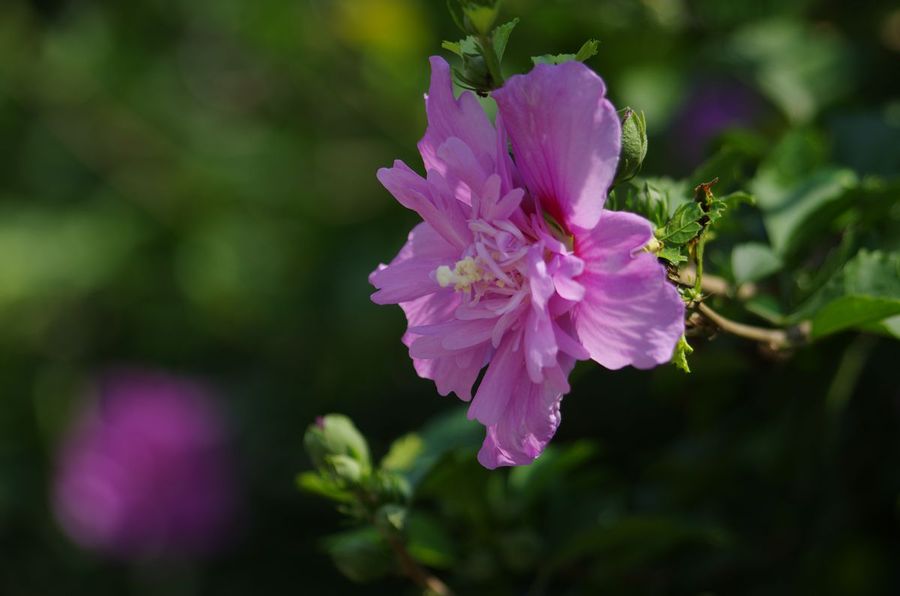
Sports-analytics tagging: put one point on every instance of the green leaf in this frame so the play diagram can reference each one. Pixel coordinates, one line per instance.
(683, 226)
(587, 50)
(360, 554)
(442, 435)
(429, 543)
(501, 37)
(800, 68)
(546, 472)
(864, 292)
(456, 12)
(737, 197)
(852, 311)
(682, 350)
(315, 483)
(889, 327)
(793, 215)
(403, 453)
(754, 261)
(391, 517)
(768, 308)
(629, 541)
(673, 254)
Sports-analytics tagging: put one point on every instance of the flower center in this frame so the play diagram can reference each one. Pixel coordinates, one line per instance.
(492, 265)
(462, 276)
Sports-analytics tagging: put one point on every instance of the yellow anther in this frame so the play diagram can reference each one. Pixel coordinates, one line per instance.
(465, 273)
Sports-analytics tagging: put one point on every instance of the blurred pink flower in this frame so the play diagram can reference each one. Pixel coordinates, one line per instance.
(516, 265)
(145, 470)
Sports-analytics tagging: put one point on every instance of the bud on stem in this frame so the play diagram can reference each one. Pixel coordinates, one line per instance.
(634, 145)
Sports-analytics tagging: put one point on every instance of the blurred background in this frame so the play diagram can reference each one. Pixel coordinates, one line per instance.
(187, 194)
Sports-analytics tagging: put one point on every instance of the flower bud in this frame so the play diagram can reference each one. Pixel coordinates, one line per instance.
(334, 444)
(634, 145)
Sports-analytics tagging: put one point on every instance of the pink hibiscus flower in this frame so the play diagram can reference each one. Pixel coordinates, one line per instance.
(516, 265)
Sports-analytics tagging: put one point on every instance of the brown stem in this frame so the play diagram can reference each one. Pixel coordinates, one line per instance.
(777, 339)
(411, 569)
(715, 285)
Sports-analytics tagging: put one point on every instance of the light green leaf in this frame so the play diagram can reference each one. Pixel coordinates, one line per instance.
(682, 350)
(587, 50)
(801, 69)
(753, 261)
(501, 37)
(403, 453)
(313, 482)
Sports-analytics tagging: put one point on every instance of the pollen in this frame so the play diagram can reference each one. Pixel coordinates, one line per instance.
(465, 273)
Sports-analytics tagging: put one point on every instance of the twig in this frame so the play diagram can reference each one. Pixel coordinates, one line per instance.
(715, 285)
(777, 339)
(411, 569)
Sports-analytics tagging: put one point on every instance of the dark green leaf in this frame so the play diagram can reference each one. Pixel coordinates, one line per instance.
(429, 543)
(789, 213)
(360, 554)
(865, 292)
(684, 225)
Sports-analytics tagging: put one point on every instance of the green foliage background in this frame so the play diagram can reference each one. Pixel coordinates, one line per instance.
(190, 185)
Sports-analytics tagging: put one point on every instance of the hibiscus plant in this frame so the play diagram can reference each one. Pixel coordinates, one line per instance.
(542, 244)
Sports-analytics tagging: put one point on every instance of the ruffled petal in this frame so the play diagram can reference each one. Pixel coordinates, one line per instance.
(409, 275)
(630, 314)
(432, 199)
(453, 371)
(565, 136)
(529, 421)
(448, 117)
(506, 370)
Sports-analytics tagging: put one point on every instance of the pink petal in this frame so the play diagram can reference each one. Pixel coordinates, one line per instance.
(451, 371)
(462, 118)
(565, 136)
(505, 371)
(631, 314)
(427, 198)
(528, 422)
(409, 275)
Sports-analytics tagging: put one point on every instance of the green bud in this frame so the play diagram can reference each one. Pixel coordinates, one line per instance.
(634, 145)
(332, 441)
(345, 468)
